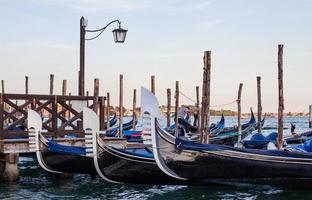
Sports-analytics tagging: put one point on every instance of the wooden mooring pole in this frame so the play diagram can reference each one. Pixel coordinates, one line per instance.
(102, 113)
(64, 92)
(51, 83)
(107, 110)
(280, 97)
(197, 119)
(310, 116)
(239, 114)
(205, 113)
(2, 86)
(176, 130)
(168, 107)
(153, 84)
(26, 84)
(134, 109)
(259, 103)
(1, 113)
(120, 105)
(96, 95)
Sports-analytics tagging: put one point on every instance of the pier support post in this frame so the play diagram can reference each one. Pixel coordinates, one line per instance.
(107, 111)
(134, 109)
(197, 119)
(96, 95)
(10, 172)
(26, 84)
(280, 97)
(259, 103)
(310, 116)
(205, 112)
(153, 84)
(239, 114)
(120, 105)
(168, 107)
(176, 109)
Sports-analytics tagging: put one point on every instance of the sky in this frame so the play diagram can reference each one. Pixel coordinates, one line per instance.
(166, 39)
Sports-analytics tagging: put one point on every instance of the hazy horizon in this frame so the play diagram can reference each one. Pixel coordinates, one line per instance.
(166, 39)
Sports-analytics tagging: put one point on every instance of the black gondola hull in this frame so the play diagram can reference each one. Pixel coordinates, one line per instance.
(224, 163)
(68, 163)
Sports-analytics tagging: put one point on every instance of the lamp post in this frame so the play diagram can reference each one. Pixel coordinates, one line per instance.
(119, 37)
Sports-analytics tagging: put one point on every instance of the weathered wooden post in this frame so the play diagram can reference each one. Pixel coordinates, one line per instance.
(176, 109)
(51, 93)
(259, 103)
(153, 84)
(310, 116)
(2, 109)
(2, 86)
(168, 107)
(51, 83)
(239, 113)
(96, 95)
(69, 113)
(102, 113)
(26, 84)
(134, 109)
(54, 116)
(197, 119)
(64, 92)
(87, 94)
(1, 114)
(280, 97)
(107, 111)
(120, 105)
(64, 87)
(205, 129)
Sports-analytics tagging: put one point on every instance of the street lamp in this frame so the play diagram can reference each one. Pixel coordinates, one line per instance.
(119, 37)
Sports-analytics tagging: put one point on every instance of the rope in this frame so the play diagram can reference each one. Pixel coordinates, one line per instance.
(220, 105)
(189, 98)
(226, 104)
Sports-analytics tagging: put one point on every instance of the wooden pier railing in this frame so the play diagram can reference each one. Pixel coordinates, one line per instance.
(61, 114)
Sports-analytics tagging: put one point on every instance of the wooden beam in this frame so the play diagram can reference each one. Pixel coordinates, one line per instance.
(259, 103)
(197, 123)
(168, 107)
(102, 113)
(54, 116)
(310, 116)
(134, 109)
(96, 95)
(26, 85)
(51, 83)
(153, 84)
(176, 109)
(239, 114)
(205, 129)
(107, 111)
(64, 92)
(2, 86)
(120, 105)
(280, 97)
(64, 87)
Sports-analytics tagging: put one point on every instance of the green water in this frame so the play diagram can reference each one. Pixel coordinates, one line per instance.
(37, 184)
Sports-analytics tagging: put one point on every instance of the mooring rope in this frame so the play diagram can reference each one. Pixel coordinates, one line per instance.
(220, 105)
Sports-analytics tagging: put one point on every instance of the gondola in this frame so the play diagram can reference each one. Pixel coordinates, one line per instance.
(57, 158)
(113, 132)
(112, 121)
(187, 160)
(299, 138)
(213, 128)
(116, 164)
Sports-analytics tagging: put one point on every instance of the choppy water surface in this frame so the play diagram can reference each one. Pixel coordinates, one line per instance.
(37, 184)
